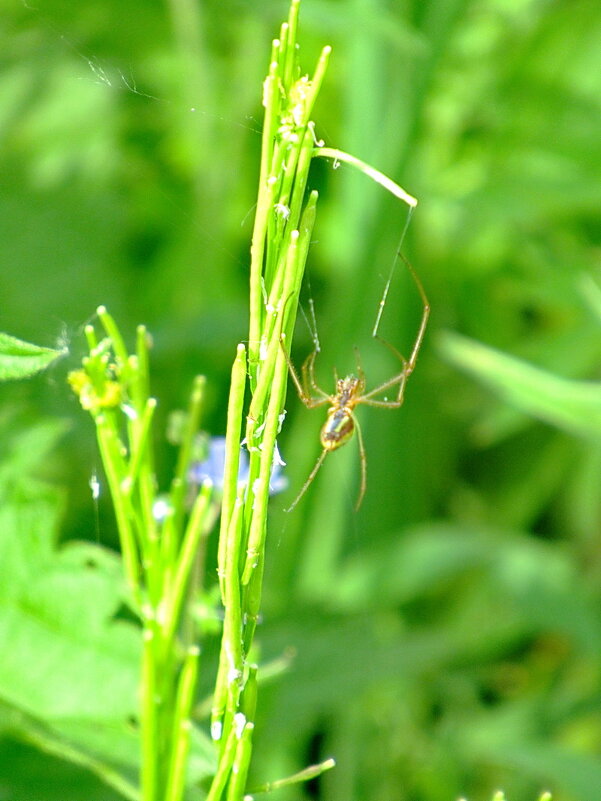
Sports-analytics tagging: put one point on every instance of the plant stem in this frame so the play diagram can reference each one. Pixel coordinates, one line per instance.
(376, 175)
(158, 557)
(279, 248)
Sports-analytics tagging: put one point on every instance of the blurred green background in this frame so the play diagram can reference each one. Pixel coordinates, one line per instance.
(446, 638)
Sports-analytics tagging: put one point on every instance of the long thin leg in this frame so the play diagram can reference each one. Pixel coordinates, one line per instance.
(400, 378)
(312, 475)
(408, 365)
(309, 382)
(363, 457)
(387, 404)
(310, 403)
(358, 364)
(320, 461)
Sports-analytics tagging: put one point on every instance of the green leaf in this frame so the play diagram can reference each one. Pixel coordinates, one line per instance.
(537, 584)
(574, 406)
(35, 772)
(69, 680)
(20, 359)
(69, 659)
(25, 447)
(569, 771)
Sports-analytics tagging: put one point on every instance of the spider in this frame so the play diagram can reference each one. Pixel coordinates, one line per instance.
(341, 422)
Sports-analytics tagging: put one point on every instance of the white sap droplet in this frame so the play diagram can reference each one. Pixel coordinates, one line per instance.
(94, 485)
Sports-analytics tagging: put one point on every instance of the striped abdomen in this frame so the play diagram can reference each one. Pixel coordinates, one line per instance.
(337, 429)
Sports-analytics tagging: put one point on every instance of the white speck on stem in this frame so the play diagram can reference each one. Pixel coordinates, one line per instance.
(233, 675)
(94, 485)
(282, 210)
(239, 723)
(129, 411)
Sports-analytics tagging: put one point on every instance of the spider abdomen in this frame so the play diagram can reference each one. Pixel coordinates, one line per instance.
(337, 429)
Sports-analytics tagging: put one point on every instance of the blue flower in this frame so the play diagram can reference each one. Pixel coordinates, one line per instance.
(212, 468)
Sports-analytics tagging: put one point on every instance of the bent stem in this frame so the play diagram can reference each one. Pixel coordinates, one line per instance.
(377, 176)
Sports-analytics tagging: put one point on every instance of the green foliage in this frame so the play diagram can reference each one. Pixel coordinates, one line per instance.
(163, 556)
(573, 406)
(446, 638)
(68, 680)
(20, 359)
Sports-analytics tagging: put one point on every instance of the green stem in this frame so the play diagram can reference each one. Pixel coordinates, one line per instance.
(185, 560)
(110, 326)
(241, 763)
(232, 456)
(290, 61)
(140, 444)
(115, 468)
(231, 659)
(173, 522)
(302, 776)
(264, 207)
(318, 76)
(376, 175)
(149, 733)
(224, 767)
(279, 248)
(260, 489)
(180, 739)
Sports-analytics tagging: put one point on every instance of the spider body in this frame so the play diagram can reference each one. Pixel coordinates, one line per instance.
(339, 426)
(341, 423)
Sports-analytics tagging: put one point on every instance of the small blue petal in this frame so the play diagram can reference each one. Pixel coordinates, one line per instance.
(213, 467)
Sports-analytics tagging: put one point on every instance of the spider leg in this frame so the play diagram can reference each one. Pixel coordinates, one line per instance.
(302, 388)
(407, 365)
(309, 381)
(387, 404)
(401, 378)
(363, 457)
(312, 475)
(358, 364)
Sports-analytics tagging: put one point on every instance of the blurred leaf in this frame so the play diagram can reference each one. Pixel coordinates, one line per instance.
(20, 359)
(413, 565)
(71, 673)
(574, 406)
(567, 771)
(30, 775)
(68, 660)
(24, 449)
(534, 582)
